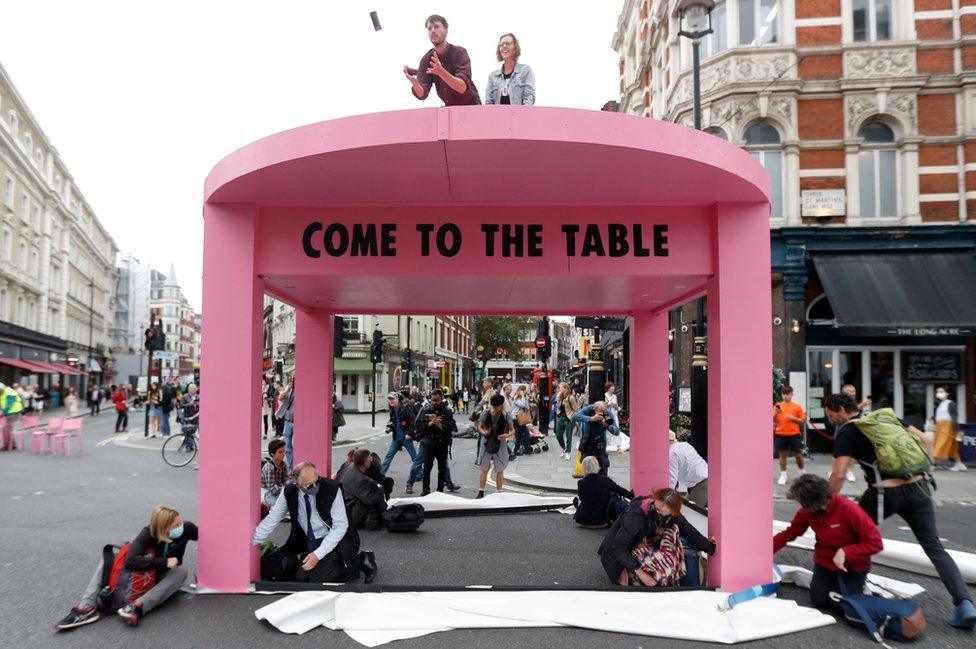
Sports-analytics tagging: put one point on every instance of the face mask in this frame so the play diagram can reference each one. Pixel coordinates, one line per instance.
(312, 489)
(176, 533)
(941, 396)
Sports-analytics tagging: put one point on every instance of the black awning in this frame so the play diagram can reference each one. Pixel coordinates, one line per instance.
(900, 289)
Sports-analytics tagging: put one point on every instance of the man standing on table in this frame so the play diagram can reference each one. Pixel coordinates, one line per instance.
(445, 66)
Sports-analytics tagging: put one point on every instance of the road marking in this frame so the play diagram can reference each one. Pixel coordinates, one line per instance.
(38, 493)
(16, 497)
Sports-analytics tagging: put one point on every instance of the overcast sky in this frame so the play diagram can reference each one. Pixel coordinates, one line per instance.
(143, 99)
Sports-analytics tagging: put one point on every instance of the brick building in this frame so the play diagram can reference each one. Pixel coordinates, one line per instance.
(864, 114)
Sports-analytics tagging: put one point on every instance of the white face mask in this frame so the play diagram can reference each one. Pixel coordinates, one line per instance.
(941, 396)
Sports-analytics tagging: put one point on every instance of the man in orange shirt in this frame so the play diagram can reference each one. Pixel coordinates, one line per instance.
(788, 417)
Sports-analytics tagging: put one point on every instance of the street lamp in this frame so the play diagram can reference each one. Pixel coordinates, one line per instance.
(694, 16)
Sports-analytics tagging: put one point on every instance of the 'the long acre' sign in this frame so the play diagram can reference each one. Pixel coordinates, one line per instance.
(498, 240)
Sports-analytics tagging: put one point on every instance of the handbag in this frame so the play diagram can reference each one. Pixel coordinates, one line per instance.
(524, 418)
(897, 619)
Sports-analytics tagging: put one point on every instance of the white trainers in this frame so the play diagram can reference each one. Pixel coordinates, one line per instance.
(850, 476)
(782, 479)
(958, 466)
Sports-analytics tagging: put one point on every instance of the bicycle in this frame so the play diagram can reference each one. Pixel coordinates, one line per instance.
(181, 449)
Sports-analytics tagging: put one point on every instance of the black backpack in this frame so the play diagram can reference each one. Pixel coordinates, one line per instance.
(403, 518)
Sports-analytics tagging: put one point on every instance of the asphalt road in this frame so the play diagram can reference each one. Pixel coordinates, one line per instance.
(57, 512)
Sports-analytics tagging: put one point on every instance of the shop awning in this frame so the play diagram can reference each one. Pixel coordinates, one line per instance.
(900, 289)
(352, 366)
(22, 365)
(64, 368)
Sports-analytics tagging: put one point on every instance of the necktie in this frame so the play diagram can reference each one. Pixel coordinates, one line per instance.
(310, 537)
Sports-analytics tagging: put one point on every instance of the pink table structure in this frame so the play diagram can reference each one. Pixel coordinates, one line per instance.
(489, 210)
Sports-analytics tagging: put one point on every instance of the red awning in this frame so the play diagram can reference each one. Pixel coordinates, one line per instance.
(47, 368)
(63, 368)
(23, 365)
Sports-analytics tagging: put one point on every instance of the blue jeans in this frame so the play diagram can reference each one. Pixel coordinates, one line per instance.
(164, 419)
(289, 446)
(417, 469)
(522, 439)
(396, 444)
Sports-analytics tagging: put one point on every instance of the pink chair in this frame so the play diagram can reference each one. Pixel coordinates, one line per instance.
(52, 428)
(61, 443)
(24, 424)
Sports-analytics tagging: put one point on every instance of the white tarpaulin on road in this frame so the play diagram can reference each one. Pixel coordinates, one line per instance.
(440, 502)
(688, 615)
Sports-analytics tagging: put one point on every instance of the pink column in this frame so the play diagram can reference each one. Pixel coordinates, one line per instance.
(230, 413)
(649, 402)
(740, 495)
(313, 389)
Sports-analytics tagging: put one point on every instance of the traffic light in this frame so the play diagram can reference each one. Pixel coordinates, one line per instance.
(376, 349)
(150, 339)
(339, 339)
(407, 358)
(155, 338)
(196, 376)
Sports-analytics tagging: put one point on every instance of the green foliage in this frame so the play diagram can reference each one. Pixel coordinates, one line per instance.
(494, 333)
(779, 378)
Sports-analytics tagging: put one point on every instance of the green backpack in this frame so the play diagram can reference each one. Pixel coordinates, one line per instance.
(899, 452)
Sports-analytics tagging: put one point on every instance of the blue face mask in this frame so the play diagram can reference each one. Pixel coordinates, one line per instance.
(312, 489)
(176, 532)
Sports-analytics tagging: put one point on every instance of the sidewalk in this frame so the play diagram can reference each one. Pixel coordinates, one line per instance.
(356, 430)
(547, 472)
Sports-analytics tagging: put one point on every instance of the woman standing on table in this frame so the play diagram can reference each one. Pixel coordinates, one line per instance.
(514, 82)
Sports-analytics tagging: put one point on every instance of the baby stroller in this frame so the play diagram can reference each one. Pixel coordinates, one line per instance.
(537, 440)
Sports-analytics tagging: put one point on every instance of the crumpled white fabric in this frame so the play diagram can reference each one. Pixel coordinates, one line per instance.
(876, 584)
(500, 501)
(690, 615)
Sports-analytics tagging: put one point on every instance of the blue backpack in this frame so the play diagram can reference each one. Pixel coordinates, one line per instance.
(897, 619)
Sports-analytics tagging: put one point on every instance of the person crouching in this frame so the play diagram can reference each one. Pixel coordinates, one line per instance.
(322, 546)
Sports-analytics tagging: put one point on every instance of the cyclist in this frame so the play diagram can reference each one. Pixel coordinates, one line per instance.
(190, 404)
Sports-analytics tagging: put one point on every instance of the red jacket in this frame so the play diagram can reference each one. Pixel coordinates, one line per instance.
(843, 525)
(119, 398)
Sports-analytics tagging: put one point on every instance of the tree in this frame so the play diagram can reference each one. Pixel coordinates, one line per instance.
(505, 333)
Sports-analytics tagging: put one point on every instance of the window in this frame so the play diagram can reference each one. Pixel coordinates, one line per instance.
(717, 132)
(25, 207)
(764, 144)
(758, 22)
(22, 259)
(12, 120)
(9, 191)
(878, 171)
(872, 20)
(36, 217)
(717, 41)
(350, 327)
(35, 258)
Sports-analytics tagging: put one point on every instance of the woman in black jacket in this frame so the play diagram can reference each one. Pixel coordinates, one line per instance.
(159, 547)
(649, 527)
(600, 499)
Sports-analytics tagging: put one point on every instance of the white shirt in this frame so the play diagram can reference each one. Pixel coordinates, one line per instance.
(330, 537)
(685, 465)
(942, 412)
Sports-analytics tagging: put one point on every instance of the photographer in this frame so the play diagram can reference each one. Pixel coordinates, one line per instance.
(496, 427)
(401, 427)
(596, 421)
(434, 425)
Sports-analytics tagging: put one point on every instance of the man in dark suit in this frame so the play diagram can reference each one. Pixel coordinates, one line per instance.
(322, 546)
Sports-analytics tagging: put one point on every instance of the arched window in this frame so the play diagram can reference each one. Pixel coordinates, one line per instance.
(717, 132)
(763, 142)
(878, 171)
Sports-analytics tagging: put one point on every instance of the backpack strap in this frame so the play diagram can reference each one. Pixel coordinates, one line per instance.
(745, 595)
(108, 559)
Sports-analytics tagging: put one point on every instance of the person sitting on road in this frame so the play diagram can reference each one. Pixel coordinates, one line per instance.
(273, 475)
(365, 502)
(643, 546)
(159, 547)
(846, 537)
(375, 472)
(322, 546)
(600, 500)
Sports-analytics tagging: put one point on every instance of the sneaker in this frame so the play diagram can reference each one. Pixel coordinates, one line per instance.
(454, 487)
(782, 479)
(850, 476)
(409, 488)
(130, 614)
(77, 617)
(481, 494)
(965, 615)
(958, 466)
